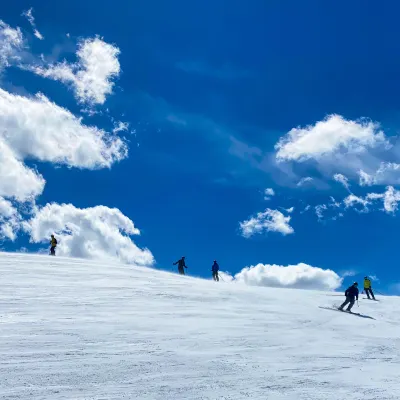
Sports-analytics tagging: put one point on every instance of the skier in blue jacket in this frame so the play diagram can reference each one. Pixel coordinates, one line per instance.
(215, 269)
(351, 295)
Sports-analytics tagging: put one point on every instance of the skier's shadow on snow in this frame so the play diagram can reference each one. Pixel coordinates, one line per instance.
(356, 314)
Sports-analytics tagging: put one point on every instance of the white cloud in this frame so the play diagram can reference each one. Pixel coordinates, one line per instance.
(342, 179)
(17, 180)
(29, 16)
(269, 193)
(373, 278)
(332, 135)
(352, 200)
(92, 76)
(387, 173)
(11, 43)
(267, 221)
(300, 276)
(10, 220)
(319, 210)
(96, 233)
(331, 207)
(289, 210)
(38, 34)
(120, 127)
(40, 129)
(304, 181)
(390, 198)
(365, 179)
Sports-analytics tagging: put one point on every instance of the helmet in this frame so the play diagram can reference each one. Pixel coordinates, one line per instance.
(365, 277)
(355, 284)
(183, 257)
(52, 235)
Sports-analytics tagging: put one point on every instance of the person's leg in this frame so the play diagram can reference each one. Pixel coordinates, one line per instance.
(367, 293)
(352, 301)
(344, 304)
(216, 276)
(372, 293)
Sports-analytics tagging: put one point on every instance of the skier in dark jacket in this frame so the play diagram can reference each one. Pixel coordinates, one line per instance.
(351, 295)
(215, 269)
(53, 244)
(181, 265)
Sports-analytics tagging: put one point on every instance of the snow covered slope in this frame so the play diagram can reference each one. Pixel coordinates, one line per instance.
(75, 329)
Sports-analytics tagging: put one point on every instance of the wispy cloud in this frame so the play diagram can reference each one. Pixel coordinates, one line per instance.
(11, 44)
(304, 181)
(29, 16)
(342, 179)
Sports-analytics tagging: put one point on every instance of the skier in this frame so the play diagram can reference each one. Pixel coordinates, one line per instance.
(215, 269)
(351, 294)
(368, 288)
(53, 244)
(181, 265)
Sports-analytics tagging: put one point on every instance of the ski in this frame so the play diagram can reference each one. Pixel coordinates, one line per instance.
(342, 311)
(346, 312)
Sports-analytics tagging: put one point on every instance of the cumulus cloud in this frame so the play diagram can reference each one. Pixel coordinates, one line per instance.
(96, 233)
(300, 276)
(92, 76)
(267, 221)
(268, 193)
(342, 179)
(29, 16)
(334, 134)
(40, 129)
(17, 180)
(10, 220)
(11, 43)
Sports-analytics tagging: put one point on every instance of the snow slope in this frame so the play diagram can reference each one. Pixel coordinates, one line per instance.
(76, 329)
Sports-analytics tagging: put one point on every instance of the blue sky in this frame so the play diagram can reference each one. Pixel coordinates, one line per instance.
(208, 92)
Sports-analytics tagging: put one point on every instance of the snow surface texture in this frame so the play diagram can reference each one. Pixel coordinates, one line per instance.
(77, 329)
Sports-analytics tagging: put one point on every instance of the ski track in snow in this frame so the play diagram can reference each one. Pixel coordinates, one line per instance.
(78, 329)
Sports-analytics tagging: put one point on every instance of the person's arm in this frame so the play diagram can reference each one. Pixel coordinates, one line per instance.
(357, 294)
